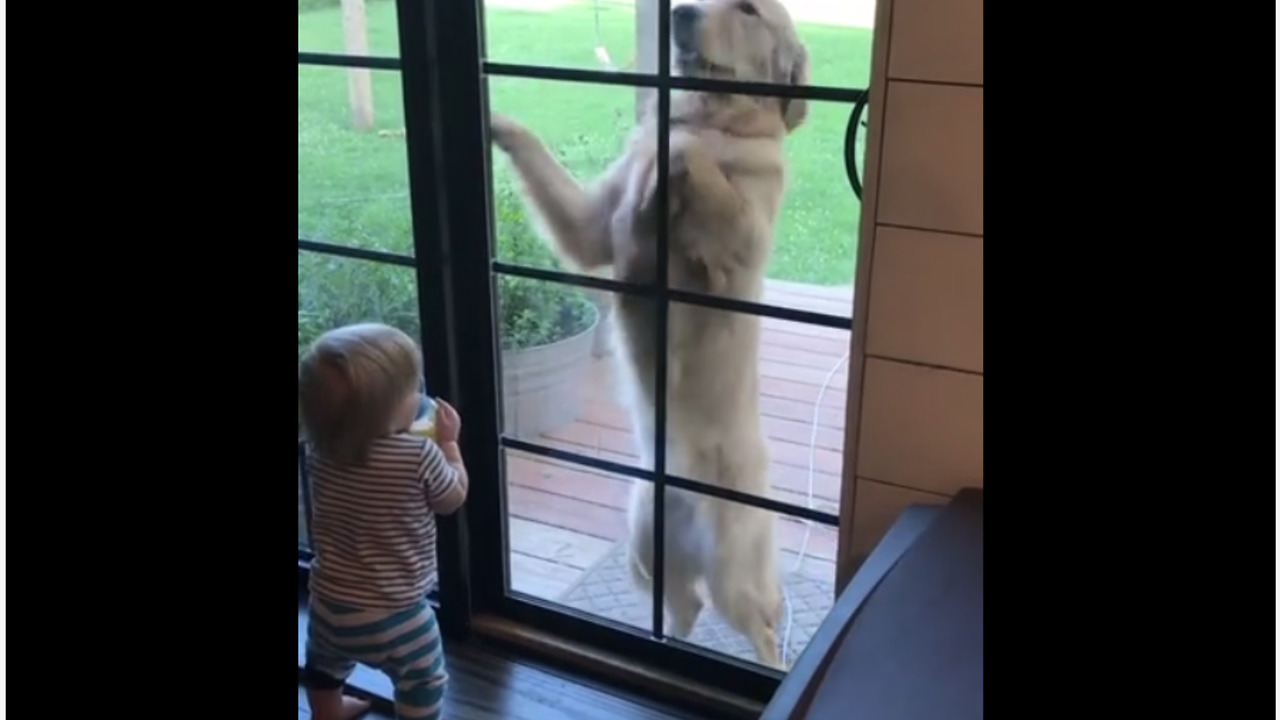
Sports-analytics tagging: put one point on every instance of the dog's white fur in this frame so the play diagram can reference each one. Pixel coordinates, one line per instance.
(726, 183)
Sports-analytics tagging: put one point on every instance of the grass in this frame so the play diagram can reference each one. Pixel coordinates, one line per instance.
(352, 187)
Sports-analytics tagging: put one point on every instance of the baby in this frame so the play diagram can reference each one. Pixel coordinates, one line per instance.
(375, 491)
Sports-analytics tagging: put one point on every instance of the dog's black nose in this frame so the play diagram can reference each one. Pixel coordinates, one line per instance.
(684, 14)
(684, 18)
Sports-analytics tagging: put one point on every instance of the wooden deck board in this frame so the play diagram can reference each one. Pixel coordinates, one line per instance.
(541, 578)
(565, 517)
(596, 505)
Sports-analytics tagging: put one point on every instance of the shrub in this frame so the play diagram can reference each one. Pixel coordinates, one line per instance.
(335, 291)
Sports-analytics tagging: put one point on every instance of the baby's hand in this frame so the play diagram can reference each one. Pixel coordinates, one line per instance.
(448, 424)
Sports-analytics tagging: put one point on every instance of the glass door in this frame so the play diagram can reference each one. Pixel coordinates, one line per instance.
(565, 431)
(406, 204)
(372, 225)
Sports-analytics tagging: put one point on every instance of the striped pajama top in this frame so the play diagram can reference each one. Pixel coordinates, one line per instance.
(373, 531)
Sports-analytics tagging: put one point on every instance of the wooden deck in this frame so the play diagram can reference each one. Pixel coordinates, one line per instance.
(564, 518)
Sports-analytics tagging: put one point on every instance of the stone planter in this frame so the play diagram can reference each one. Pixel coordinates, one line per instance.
(542, 386)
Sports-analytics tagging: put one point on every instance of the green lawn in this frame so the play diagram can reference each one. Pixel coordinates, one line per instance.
(352, 187)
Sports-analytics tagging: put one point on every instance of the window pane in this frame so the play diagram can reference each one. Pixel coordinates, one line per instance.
(335, 291)
(585, 126)
(592, 35)
(838, 38)
(353, 186)
(623, 35)
(559, 382)
(801, 579)
(798, 406)
(816, 238)
(350, 27)
(566, 536)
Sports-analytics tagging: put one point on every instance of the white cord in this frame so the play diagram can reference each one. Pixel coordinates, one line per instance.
(808, 529)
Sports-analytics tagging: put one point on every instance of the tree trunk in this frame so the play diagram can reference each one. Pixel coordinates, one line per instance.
(359, 80)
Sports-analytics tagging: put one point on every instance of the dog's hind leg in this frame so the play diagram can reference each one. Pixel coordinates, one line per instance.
(753, 609)
(681, 599)
(743, 577)
(679, 588)
(680, 596)
(640, 540)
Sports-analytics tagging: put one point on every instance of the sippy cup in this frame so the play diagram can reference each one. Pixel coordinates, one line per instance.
(425, 422)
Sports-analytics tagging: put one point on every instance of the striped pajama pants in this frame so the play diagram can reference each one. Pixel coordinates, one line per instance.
(404, 644)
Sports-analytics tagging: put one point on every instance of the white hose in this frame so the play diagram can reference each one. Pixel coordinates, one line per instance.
(808, 529)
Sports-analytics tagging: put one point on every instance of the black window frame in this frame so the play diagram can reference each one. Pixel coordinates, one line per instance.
(442, 66)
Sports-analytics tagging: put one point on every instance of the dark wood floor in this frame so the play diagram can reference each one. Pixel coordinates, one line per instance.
(487, 685)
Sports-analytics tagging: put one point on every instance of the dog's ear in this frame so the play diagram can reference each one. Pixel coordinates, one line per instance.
(795, 110)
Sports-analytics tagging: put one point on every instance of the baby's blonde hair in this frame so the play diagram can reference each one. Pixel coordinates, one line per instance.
(351, 383)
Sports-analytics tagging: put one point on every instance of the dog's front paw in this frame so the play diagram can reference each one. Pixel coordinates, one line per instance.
(505, 132)
(692, 162)
(678, 164)
(677, 180)
(648, 205)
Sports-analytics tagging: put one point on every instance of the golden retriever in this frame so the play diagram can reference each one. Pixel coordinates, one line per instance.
(726, 183)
